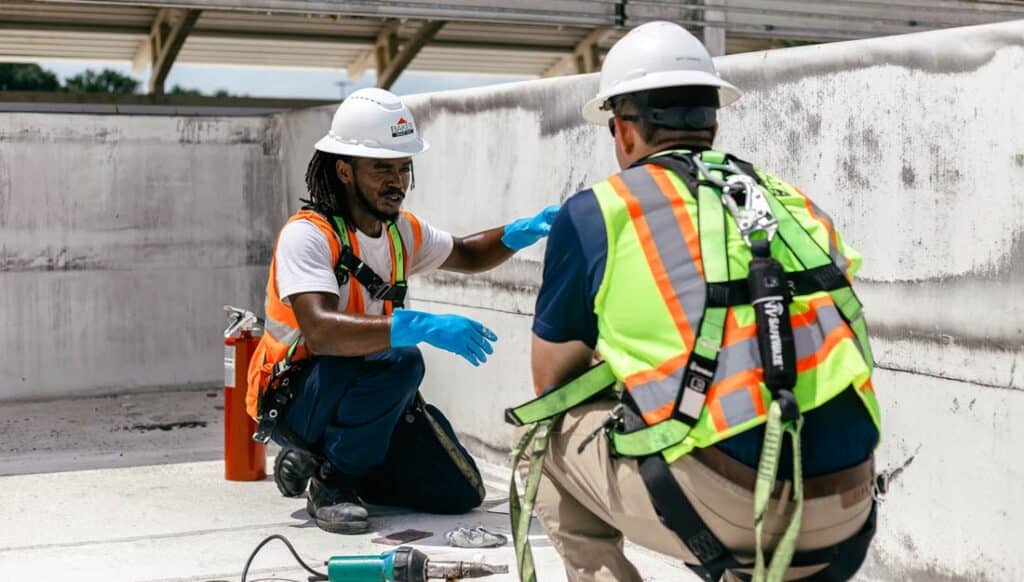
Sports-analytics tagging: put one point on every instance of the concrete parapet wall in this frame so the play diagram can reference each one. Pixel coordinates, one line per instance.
(913, 145)
(120, 240)
(122, 237)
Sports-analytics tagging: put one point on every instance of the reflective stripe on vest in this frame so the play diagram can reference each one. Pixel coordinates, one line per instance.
(653, 296)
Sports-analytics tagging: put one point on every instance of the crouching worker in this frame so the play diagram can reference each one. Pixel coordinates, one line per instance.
(335, 378)
(732, 421)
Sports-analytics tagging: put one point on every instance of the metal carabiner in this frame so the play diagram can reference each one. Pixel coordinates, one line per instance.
(756, 214)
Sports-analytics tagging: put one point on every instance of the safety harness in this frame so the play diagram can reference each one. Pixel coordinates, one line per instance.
(720, 183)
(275, 399)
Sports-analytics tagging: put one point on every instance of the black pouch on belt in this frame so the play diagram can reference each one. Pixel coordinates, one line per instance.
(770, 297)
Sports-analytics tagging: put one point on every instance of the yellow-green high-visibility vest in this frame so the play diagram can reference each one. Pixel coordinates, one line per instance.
(654, 301)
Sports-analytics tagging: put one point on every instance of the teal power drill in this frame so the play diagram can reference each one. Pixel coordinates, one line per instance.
(404, 564)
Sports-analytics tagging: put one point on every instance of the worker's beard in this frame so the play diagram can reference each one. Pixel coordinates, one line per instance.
(369, 207)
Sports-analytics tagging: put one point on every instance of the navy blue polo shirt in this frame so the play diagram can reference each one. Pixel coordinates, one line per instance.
(835, 436)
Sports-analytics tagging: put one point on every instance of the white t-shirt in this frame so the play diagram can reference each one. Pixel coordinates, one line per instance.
(303, 259)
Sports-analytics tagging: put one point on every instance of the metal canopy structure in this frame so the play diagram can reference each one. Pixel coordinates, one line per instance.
(523, 37)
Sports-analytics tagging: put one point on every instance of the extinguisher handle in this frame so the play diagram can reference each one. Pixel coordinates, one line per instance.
(240, 319)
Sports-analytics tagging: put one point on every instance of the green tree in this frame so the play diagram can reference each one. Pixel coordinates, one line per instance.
(179, 90)
(27, 77)
(105, 81)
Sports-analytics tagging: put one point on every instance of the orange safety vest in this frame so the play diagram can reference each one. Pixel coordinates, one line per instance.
(281, 329)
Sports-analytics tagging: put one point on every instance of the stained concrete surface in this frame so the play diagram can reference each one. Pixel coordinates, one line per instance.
(131, 488)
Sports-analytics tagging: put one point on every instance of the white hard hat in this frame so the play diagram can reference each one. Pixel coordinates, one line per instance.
(373, 123)
(656, 55)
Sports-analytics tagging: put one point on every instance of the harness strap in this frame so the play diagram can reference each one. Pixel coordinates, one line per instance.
(569, 395)
(767, 471)
(678, 514)
(521, 513)
(349, 263)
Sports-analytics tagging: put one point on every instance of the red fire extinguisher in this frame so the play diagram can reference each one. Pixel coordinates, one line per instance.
(244, 458)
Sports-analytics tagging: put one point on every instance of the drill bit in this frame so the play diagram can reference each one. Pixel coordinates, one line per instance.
(459, 570)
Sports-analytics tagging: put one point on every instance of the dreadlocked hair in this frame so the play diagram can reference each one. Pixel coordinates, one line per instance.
(324, 187)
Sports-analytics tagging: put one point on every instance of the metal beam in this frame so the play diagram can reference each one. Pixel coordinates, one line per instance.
(358, 67)
(166, 36)
(585, 58)
(549, 12)
(398, 61)
(386, 47)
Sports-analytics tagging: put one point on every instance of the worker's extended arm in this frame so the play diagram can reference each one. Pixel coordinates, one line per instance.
(329, 331)
(488, 249)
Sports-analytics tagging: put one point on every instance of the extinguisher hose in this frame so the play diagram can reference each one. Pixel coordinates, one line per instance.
(315, 575)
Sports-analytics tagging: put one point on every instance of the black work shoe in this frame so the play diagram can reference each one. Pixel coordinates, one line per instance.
(292, 470)
(336, 510)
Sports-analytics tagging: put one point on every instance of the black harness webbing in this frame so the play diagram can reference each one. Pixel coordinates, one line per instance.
(378, 288)
(350, 264)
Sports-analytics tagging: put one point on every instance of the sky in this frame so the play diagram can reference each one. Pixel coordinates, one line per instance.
(280, 82)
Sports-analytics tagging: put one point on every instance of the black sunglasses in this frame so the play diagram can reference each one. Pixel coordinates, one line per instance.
(611, 121)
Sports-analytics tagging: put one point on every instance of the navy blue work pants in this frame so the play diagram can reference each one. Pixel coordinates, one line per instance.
(348, 408)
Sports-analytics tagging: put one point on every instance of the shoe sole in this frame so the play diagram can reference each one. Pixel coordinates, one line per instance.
(344, 528)
(277, 471)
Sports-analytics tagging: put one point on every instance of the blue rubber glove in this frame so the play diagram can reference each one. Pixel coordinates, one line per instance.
(522, 233)
(454, 333)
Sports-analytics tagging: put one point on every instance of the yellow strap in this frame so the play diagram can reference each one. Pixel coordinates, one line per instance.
(521, 514)
(767, 470)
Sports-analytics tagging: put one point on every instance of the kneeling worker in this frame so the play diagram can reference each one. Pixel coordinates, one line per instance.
(718, 298)
(335, 378)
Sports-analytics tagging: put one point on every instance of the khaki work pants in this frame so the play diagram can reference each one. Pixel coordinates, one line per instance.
(589, 502)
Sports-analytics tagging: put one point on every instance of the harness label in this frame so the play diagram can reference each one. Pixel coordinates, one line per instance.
(774, 311)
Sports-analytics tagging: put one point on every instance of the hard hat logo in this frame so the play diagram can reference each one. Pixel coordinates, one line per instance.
(402, 128)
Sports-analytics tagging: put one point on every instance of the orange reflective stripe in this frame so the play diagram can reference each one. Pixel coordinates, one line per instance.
(834, 337)
(654, 260)
(735, 333)
(678, 204)
(714, 408)
(823, 220)
(658, 414)
(841, 261)
(660, 373)
(748, 380)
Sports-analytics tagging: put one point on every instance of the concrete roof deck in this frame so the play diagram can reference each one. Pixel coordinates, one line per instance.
(131, 488)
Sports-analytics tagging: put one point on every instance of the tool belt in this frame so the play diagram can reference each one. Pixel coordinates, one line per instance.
(272, 404)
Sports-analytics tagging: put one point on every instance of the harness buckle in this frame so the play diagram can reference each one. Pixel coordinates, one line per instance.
(614, 416)
(381, 292)
(755, 215)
